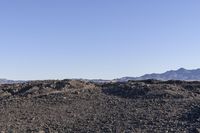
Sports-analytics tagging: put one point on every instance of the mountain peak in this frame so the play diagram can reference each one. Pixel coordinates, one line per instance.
(182, 69)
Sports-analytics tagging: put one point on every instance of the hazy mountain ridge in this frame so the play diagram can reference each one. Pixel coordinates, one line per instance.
(6, 81)
(180, 74)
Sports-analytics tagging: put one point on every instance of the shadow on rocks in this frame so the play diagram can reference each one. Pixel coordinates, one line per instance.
(126, 91)
(193, 115)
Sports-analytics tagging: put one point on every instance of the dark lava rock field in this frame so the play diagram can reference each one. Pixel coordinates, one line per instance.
(74, 106)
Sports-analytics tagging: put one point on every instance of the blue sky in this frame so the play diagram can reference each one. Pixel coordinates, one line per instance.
(56, 39)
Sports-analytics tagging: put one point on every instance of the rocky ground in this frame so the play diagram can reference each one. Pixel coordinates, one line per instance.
(79, 106)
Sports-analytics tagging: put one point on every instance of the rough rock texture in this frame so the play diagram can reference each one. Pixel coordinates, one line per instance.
(78, 106)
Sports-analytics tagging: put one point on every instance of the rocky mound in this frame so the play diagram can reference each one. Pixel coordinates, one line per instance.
(38, 88)
(80, 106)
(153, 89)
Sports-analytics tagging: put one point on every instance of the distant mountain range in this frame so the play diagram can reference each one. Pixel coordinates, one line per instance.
(5, 81)
(180, 74)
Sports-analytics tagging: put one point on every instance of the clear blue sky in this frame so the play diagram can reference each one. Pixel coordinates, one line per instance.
(56, 39)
